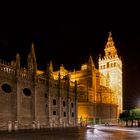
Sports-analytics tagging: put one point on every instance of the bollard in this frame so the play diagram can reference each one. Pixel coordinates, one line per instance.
(33, 125)
(9, 126)
(16, 126)
(38, 125)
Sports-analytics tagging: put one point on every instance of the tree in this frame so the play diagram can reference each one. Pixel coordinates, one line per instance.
(131, 115)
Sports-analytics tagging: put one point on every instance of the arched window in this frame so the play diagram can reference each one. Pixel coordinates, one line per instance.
(64, 103)
(72, 114)
(107, 64)
(72, 105)
(54, 102)
(54, 112)
(64, 114)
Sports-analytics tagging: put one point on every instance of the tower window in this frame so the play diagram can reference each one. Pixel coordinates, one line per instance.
(54, 112)
(109, 53)
(54, 102)
(72, 114)
(64, 103)
(108, 65)
(72, 105)
(64, 114)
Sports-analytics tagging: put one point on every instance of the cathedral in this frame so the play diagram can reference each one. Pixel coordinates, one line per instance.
(99, 91)
(32, 98)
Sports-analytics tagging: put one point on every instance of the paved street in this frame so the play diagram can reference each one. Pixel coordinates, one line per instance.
(96, 133)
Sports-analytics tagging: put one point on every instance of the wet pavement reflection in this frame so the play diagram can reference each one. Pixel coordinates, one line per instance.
(96, 133)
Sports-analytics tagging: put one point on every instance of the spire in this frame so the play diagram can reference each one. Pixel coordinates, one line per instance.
(110, 36)
(99, 57)
(110, 42)
(110, 49)
(31, 60)
(49, 70)
(17, 61)
(90, 63)
(90, 60)
(33, 53)
(17, 57)
(51, 67)
(17, 64)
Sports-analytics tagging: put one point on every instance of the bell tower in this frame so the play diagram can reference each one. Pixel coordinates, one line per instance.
(111, 67)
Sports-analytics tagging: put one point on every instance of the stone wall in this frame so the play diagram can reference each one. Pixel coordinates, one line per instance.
(27, 101)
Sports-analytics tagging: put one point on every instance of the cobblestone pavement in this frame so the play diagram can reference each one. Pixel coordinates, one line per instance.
(91, 133)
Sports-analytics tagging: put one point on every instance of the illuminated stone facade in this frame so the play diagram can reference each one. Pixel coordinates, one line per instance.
(111, 67)
(31, 99)
(99, 90)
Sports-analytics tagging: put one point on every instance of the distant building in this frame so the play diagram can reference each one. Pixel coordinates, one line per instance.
(99, 90)
(32, 99)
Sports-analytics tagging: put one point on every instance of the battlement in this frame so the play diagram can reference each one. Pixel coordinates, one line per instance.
(108, 57)
(7, 67)
(10, 68)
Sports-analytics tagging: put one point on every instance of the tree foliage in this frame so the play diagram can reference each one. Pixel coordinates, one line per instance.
(130, 115)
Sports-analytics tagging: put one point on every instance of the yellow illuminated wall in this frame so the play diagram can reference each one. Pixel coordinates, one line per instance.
(98, 87)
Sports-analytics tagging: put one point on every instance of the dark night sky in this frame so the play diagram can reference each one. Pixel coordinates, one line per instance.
(69, 36)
